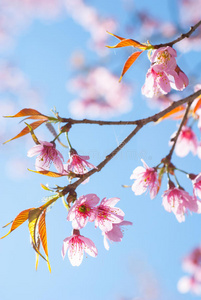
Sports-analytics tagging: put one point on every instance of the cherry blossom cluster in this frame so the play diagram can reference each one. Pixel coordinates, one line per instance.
(85, 209)
(105, 216)
(175, 199)
(164, 73)
(192, 265)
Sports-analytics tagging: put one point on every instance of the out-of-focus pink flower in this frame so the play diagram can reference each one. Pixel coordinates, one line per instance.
(186, 142)
(96, 25)
(83, 210)
(114, 235)
(76, 245)
(179, 202)
(107, 215)
(191, 264)
(79, 164)
(189, 284)
(164, 73)
(97, 98)
(145, 178)
(197, 185)
(47, 153)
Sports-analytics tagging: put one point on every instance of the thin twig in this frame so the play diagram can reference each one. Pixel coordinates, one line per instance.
(140, 124)
(182, 36)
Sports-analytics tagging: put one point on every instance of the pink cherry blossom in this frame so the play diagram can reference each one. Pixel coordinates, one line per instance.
(76, 245)
(164, 58)
(186, 142)
(179, 202)
(79, 164)
(189, 284)
(107, 215)
(83, 210)
(145, 178)
(47, 153)
(115, 234)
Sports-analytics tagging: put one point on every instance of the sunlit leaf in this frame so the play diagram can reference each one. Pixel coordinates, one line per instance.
(48, 173)
(33, 134)
(25, 112)
(172, 112)
(19, 220)
(127, 42)
(45, 187)
(129, 62)
(198, 105)
(42, 231)
(24, 131)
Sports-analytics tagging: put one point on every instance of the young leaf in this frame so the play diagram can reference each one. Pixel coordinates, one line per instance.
(25, 112)
(48, 173)
(129, 62)
(172, 112)
(24, 131)
(19, 220)
(198, 105)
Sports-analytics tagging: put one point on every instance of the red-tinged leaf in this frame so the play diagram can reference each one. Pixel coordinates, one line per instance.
(25, 112)
(26, 130)
(198, 105)
(42, 232)
(172, 112)
(129, 62)
(19, 220)
(118, 37)
(129, 42)
(48, 173)
(36, 117)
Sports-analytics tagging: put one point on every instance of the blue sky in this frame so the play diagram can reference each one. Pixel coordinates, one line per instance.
(149, 256)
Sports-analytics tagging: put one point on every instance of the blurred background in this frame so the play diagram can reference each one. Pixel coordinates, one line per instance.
(53, 54)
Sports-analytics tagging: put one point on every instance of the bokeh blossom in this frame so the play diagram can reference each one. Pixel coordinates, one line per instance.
(47, 153)
(76, 244)
(186, 142)
(145, 178)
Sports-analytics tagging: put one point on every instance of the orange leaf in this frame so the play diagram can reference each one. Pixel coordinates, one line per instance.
(26, 130)
(118, 37)
(42, 231)
(129, 62)
(48, 173)
(198, 104)
(25, 112)
(19, 220)
(172, 112)
(128, 42)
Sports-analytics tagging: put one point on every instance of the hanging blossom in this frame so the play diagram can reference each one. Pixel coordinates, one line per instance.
(79, 164)
(164, 73)
(107, 215)
(191, 264)
(114, 235)
(47, 153)
(76, 245)
(178, 201)
(186, 142)
(145, 178)
(83, 210)
(196, 181)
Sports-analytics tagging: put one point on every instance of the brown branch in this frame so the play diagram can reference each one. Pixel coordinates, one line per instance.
(182, 36)
(140, 124)
(168, 157)
(136, 122)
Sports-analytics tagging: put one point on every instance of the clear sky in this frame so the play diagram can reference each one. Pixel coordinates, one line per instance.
(146, 265)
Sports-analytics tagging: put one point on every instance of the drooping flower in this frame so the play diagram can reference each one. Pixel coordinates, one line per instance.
(180, 202)
(114, 235)
(107, 214)
(145, 178)
(83, 210)
(47, 153)
(76, 245)
(164, 73)
(79, 164)
(186, 142)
